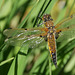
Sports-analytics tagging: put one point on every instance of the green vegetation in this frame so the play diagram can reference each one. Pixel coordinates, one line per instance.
(23, 60)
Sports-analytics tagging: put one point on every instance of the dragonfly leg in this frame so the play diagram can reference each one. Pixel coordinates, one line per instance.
(39, 24)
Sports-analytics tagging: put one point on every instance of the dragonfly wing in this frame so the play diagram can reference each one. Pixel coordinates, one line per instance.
(18, 32)
(67, 29)
(68, 35)
(19, 37)
(66, 23)
(23, 40)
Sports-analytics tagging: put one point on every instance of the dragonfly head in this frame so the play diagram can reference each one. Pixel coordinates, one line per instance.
(46, 17)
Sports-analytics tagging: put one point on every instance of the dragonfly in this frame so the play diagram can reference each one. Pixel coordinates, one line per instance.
(40, 35)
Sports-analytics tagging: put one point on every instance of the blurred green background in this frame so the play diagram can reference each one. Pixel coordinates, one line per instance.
(25, 61)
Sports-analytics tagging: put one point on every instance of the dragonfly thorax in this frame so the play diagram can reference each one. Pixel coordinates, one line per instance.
(49, 24)
(51, 30)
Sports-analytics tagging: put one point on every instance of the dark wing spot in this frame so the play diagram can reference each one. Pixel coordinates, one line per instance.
(40, 35)
(9, 37)
(67, 27)
(25, 28)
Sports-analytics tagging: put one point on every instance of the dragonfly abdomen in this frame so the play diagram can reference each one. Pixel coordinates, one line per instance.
(52, 47)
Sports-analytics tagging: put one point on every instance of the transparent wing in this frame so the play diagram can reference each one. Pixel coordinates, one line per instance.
(66, 29)
(24, 37)
(32, 41)
(68, 35)
(18, 32)
(66, 23)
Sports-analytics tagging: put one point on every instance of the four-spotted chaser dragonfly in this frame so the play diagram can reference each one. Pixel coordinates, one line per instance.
(39, 35)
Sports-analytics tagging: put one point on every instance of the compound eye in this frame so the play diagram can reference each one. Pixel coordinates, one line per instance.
(45, 20)
(48, 17)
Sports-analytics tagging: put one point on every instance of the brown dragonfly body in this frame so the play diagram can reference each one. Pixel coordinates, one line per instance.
(51, 37)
